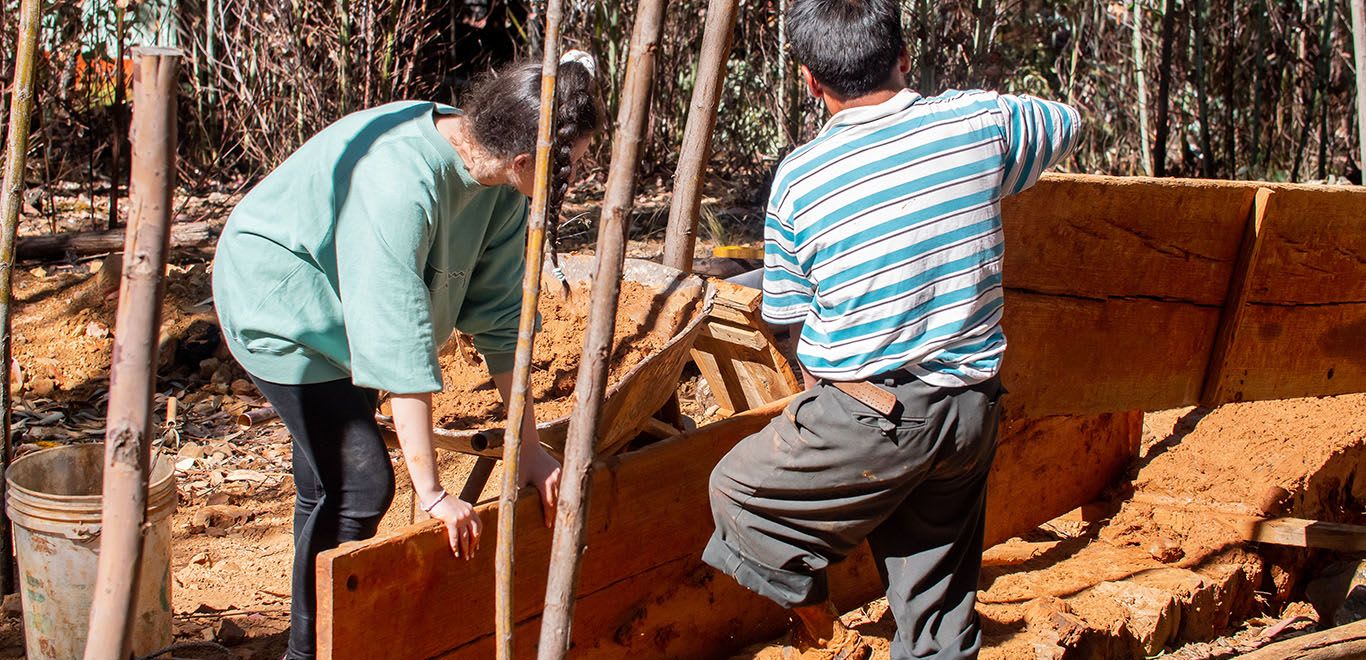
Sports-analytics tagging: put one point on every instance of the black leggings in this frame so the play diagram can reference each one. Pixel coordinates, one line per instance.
(343, 479)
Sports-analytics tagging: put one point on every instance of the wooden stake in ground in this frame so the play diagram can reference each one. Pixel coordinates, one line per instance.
(11, 199)
(1359, 38)
(132, 376)
(717, 37)
(526, 336)
(567, 546)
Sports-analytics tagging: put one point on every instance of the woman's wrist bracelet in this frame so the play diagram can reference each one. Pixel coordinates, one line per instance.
(429, 507)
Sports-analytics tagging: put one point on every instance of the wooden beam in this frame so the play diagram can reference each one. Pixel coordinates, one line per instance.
(1235, 303)
(202, 234)
(1342, 642)
(643, 590)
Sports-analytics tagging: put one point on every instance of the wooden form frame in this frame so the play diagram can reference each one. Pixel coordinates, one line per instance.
(1118, 292)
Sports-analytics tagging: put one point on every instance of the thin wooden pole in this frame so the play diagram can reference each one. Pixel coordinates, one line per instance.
(717, 37)
(1140, 77)
(1316, 93)
(132, 376)
(526, 336)
(116, 114)
(1359, 38)
(567, 546)
(1164, 83)
(1201, 91)
(11, 199)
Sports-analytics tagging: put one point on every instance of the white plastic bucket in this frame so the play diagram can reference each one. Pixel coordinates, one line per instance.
(54, 503)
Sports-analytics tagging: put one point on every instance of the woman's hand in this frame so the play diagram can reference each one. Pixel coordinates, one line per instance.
(462, 525)
(541, 470)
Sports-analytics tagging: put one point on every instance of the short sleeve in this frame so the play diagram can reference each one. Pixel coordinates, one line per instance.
(1039, 134)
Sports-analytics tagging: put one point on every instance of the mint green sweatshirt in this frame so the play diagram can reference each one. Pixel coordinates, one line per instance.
(359, 255)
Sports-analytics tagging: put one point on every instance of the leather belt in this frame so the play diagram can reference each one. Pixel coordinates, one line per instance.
(868, 394)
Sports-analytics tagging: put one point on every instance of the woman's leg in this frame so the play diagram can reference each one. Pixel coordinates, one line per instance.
(343, 478)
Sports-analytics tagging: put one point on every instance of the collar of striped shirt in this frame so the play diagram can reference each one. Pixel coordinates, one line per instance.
(865, 113)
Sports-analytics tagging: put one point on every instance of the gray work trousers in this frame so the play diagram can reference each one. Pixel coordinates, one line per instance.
(830, 472)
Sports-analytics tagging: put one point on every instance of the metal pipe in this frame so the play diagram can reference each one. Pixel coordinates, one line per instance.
(526, 336)
(567, 546)
(11, 199)
(717, 37)
(132, 375)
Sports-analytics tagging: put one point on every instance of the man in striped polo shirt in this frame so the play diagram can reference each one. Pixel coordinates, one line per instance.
(883, 249)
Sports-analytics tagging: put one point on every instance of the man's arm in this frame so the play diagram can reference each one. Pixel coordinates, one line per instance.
(1038, 134)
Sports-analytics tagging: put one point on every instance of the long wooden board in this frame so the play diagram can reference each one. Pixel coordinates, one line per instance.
(643, 590)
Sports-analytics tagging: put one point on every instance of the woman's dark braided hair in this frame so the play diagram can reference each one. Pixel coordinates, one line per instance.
(504, 109)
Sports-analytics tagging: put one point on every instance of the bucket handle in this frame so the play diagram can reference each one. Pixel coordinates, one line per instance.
(83, 533)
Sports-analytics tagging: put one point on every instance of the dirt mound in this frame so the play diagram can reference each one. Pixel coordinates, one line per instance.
(470, 400)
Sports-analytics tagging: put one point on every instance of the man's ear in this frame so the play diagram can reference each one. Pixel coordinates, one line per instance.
(903, 61)
(812, 85)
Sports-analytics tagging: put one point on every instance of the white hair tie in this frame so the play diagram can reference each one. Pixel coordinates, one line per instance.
(583, 58)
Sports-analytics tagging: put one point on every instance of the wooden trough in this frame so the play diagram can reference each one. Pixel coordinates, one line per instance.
(679, 311)
(1121, 295)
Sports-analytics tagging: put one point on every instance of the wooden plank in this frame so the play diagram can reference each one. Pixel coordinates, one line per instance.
(737, 335)
(1081, 356)
(1295, 351)
(1315, 250)
(1235, 303)
(1341, 643)
(1096, 236)
(1302, 533)
(651, 597)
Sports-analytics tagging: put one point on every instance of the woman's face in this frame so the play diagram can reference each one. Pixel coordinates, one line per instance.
(522, 174)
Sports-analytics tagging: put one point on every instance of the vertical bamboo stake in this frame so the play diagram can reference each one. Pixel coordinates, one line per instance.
(1316, 93)
(1164, 83)
(116, 113)
(132, 375)
(526, 336)
(567, 547)
(11, 199)
(1359, 38)
(717, 37)
(1140, 78)
(1201, 93)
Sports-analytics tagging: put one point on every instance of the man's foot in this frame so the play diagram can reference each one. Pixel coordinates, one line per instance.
(822, 636)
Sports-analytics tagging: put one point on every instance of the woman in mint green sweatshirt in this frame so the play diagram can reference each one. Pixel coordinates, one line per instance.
(345, 269)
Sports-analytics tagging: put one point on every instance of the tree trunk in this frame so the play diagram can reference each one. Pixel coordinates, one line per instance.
(132, 376)
(1164, 85)
(1262, 19)
(1230, 71)
(1316, 92)
(11, 199)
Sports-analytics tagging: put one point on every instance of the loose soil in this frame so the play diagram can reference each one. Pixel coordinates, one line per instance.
(470, 401)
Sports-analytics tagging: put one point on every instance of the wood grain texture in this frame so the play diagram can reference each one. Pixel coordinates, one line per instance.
(1295, 351)
(644, 591)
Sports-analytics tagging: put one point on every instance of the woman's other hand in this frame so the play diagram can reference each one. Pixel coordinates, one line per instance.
(541, 470)
(462, 525)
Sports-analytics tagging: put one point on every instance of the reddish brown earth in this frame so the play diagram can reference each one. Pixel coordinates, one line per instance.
(470, 400)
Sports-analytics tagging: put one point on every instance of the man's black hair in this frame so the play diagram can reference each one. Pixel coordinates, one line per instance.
(850, 46)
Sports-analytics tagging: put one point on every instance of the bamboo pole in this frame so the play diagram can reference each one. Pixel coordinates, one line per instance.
(1316, 93)
(567, 546)
(1359, 38)
(717, 38)
(526, 336)
(132, 375)
(11, 199)
(1140, 77)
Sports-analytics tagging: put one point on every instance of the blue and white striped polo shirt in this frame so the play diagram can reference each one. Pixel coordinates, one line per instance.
(883, 234)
